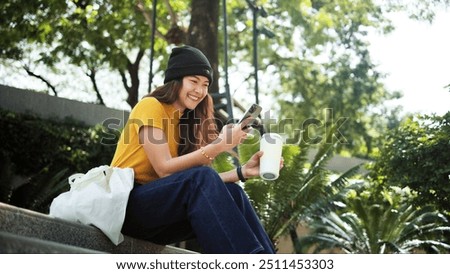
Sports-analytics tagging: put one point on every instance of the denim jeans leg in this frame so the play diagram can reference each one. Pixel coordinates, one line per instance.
(244, 205)
(198, 196)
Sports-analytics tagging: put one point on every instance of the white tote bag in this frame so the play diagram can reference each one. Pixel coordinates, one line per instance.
(97, 198)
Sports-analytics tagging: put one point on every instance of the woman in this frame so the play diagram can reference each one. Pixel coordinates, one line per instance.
(169, 141)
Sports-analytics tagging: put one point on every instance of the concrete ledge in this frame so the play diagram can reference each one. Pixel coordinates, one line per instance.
(46, 106)
(15, 244)
(31, 224)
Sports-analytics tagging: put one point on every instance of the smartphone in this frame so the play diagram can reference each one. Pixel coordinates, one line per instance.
(250, 115)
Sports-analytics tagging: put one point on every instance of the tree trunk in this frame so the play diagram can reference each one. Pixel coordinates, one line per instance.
(133, 72)
(203, 32)
(92, 73)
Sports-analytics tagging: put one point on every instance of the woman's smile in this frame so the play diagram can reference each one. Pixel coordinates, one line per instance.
(193, 97)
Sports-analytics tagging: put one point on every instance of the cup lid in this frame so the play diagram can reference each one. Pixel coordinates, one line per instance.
(271, 136)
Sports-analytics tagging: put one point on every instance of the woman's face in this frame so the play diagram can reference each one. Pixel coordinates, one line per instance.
(192, 92)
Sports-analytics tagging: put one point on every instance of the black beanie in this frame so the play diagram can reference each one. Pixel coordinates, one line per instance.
(185, 61)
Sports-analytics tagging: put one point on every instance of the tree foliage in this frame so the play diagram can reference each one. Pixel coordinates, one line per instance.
(100, 34)
(327, 66)
(317, 58)
(417, 155)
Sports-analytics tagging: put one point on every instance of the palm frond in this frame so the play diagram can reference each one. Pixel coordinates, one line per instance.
(433, 244)
(342, 180)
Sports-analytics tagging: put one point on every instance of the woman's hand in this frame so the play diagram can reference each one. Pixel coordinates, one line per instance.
(230, 136)
(251, 168)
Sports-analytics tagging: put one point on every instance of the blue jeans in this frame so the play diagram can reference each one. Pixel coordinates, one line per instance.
(196, 203)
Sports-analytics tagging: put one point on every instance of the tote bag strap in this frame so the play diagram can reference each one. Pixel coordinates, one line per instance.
(78, 180)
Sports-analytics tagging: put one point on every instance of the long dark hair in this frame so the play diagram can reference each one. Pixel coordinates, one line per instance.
(197, 126)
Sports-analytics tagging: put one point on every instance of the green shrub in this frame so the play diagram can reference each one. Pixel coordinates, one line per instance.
(35, 152)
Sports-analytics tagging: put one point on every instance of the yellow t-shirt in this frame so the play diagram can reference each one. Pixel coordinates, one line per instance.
(130, 153)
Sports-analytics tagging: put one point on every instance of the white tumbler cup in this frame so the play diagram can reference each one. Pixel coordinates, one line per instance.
(272, 145)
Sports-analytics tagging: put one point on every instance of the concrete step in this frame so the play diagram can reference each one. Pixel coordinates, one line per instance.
(35, 225)
(16, 244)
